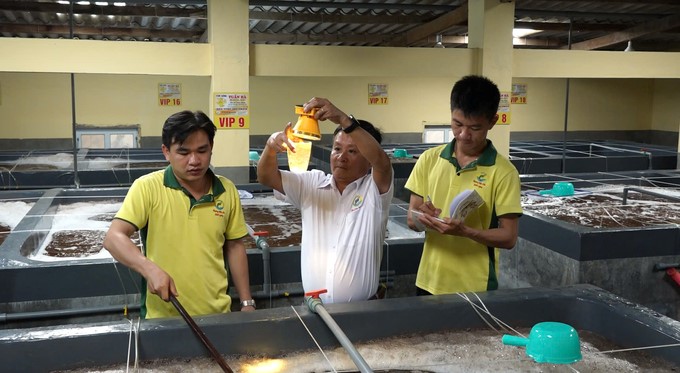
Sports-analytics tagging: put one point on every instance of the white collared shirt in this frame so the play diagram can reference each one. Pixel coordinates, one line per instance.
(342, 235)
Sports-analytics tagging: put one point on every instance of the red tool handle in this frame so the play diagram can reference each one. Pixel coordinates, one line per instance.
(315, 293)
(674, 274)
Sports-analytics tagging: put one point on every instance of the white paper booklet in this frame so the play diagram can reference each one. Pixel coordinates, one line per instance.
(464, 203)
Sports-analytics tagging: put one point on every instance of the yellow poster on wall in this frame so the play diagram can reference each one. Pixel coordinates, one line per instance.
(231, 110)
(504, 109)
(377, 94)
(169, 94)
(519, 94)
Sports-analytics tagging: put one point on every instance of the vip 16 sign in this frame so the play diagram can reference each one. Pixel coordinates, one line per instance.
(169, 94)
(231, 110)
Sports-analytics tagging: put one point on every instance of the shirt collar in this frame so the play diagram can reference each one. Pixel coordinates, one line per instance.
(170, 181)
(487, 158)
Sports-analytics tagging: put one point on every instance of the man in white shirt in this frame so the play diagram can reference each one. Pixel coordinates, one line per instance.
(344, 214)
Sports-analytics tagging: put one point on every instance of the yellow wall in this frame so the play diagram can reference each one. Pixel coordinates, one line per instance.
(666, 105)
(35, 105)
(116, 83)
(411, 101)
(38, 105)
(133, 99)
(611, 104)
(93, 56)
(544, 110)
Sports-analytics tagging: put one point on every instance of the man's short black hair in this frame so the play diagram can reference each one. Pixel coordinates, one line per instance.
(180, 125)
(475, 95)
(368, 127)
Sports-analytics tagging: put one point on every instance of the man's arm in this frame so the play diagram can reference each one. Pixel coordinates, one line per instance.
(121, 247)
(368, 146)
(235, 252)
(268, 173)
(503, 237)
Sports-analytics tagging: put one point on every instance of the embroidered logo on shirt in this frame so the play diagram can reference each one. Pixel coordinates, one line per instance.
(480, 180)
(219, 207)
(357, 202)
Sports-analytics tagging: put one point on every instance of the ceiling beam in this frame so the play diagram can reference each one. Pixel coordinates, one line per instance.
(438, 25)
(109, 32)
(288, 38)
(336, 18)
(564, 26)
(646, 28)
(131, 11)
(350, 5)
(636, 2)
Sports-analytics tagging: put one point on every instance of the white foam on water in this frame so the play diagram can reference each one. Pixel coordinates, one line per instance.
(446, 352)
(99, 163)
(267, 200)
(11, 212)
(60, 160)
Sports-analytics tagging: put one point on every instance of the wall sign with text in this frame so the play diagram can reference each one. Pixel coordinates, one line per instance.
(504, 109)
(231, 110)
(169, 94)
(377, 94)
(519, 94)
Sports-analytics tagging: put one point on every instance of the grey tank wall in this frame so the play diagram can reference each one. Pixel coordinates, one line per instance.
(277, 331)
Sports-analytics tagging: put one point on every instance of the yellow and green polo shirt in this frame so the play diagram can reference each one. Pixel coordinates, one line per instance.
(186, 238)
(451, 264)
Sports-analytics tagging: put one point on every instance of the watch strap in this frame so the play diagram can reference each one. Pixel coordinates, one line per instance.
(247, 302)
(352, 126)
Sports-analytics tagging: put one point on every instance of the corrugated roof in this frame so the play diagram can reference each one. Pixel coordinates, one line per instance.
(653, 25)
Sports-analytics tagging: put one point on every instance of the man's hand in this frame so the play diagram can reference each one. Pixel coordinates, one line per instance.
(325, 110)
(159, 282)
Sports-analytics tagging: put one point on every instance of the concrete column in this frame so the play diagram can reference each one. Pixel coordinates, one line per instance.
(490, 24)
(228, 37)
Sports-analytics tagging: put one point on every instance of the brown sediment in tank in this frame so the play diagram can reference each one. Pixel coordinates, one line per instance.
(4, 232)
(605, 209)
(78, 244)
(283, 224)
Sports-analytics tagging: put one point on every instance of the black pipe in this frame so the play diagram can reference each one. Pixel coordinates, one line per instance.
(50, 314)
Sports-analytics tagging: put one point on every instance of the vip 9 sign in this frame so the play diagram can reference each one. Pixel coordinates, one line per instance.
(232, 122)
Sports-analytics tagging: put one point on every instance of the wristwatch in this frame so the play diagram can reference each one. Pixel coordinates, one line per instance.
(248, 302)
(353, 126)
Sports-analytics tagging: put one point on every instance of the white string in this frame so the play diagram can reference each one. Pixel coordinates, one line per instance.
(139, 320)
(127, 365)
(133, 329)
(313, 339)
(498, 321)
(640, 348)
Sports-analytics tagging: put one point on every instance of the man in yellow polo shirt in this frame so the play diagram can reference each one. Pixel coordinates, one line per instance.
(462, 256)
(189, 220)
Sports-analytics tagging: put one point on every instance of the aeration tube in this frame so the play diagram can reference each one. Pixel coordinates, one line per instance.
(315, 305)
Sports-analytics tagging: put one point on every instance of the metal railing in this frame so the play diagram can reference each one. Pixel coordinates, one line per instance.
(648, 192)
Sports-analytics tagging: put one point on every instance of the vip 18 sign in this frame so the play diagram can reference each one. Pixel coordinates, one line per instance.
(231, 110)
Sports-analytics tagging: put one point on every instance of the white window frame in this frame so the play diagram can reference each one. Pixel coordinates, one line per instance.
(107, 132)
(444, 129)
